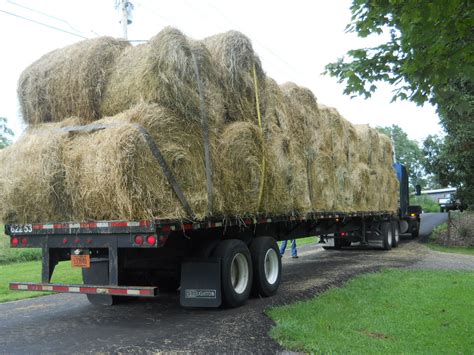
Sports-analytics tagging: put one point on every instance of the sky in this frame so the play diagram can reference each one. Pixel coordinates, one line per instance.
(295, 40)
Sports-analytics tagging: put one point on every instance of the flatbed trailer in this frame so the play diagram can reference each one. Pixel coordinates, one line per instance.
(212, 262)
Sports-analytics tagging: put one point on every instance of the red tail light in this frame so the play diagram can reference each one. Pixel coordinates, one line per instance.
(151, 240)
(24, 241)
(14, 241)
(139, 240)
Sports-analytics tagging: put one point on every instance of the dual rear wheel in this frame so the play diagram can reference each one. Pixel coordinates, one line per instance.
(246, 270)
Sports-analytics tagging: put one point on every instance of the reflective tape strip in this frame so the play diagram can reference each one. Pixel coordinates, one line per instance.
(103, 225)
(133, 224)
(74, 225)
(48, 226)
(121, 291)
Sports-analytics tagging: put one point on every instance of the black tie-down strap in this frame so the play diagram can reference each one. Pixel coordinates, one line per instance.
(205, 136)
(154, 150)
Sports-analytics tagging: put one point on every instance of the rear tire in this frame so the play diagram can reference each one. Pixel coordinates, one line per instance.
(386, 234)
(395, 234)
(266, 263)
(236, 272)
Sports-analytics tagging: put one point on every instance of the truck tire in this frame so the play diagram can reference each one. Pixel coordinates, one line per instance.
(266, 263)
(395, 234)
(236, 272)
(416, 232)
(386, 233)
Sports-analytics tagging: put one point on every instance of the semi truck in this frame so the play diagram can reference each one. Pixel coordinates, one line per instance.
(212, 262)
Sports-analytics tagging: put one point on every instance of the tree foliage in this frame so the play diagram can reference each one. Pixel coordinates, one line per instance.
(408, 153)
(6, 134)
(429, 57)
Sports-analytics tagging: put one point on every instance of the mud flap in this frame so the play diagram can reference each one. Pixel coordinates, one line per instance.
(201, 283)
(98, 274)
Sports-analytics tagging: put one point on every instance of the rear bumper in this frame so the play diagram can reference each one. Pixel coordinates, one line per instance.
(86, 289)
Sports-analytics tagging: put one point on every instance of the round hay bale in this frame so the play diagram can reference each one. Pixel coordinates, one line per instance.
(304, 118)
(241, 170)
(360, 180)
(338, 134)
(233, 56)
(370, 151)
(163, 71)
(321, 182)
(32, 176)
(69, 81)
(112, 174)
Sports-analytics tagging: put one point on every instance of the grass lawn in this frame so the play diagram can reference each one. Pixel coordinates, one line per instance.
(11, 255)
(302, 241)
(458, 250)
(31, 271)
(393, 311)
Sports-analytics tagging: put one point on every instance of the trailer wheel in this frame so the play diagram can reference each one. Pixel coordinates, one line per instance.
(386, 231)
(395, 234)
(266, 262)
(416, 232)
(236, 272)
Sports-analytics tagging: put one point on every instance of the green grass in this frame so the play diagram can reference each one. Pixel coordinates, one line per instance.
(457, 250)
(302, 241)
(426, 203)
(31, 271)
(10, 255)
(393, 311)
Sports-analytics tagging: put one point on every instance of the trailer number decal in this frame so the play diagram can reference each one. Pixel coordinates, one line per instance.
(21, 228)
(201, 293)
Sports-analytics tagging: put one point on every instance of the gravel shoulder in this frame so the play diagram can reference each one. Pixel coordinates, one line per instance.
(447, 261)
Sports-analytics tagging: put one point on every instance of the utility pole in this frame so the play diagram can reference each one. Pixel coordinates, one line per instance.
(124, 21)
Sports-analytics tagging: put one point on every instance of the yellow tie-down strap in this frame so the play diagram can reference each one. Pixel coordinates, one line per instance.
(259, 116)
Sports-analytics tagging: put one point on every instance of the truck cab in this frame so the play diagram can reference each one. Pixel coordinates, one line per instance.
(409, 214)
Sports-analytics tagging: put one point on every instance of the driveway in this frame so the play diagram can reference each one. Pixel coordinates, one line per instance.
(66, 323)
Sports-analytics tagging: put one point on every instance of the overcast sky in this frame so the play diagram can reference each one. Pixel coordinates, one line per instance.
(294, 40)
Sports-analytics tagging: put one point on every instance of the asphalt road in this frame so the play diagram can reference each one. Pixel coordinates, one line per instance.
(66, 323)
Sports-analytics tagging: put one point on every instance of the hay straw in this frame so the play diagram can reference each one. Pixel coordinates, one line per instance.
(233, 56)
(111, 174)
(162, 71)
(68, 82)
(32, 177)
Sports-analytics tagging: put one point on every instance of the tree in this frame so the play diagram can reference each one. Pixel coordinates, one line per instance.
(429, 57)
(5, 133)
(408, 153)
(437, 160)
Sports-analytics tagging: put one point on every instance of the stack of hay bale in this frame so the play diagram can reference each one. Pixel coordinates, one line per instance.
(273, 150)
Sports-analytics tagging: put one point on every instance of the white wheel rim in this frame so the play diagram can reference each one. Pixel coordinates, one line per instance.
(397, 235)
(239, 273)
(271, 266)
(389, 237)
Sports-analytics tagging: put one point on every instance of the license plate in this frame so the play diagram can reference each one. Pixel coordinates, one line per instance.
(83, 261)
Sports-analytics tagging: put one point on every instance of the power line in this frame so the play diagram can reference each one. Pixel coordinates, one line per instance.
(43, 24)
(45, 14)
